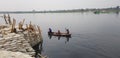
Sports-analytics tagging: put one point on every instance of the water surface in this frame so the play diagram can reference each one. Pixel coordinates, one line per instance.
(93, 35)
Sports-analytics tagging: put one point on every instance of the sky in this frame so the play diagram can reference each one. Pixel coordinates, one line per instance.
(29, 5)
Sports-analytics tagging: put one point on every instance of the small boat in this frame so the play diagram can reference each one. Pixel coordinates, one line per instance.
(96, 12)
(59, 34)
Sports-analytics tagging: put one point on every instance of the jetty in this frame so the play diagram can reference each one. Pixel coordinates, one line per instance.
(16, 41)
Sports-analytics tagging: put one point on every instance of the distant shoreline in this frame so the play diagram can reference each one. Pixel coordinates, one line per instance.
(50, 12)
(65, 11)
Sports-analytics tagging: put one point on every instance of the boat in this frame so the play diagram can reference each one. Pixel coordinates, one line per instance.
(96, 12)
(59, 34)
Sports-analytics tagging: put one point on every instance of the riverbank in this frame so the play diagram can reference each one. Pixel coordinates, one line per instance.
(18, 40)
(9, 54)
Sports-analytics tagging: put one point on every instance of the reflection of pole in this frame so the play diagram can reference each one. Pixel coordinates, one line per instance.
(50, 36)
(5, 19)
(58, 37)
(67, 39)
(40, 47)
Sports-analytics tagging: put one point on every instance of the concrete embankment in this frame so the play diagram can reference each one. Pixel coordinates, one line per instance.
(9, 54)
(17, 42)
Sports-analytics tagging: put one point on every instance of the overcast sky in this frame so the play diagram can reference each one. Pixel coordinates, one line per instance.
(11, 5)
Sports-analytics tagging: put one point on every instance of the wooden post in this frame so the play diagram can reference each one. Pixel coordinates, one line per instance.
(27, 27)
(34, 30)
(9, 20)
(35, 27)
(5, 18)
(31, 27)
(23, 21)
(21, 24)
(13, 26)
(39, 33)
(39, 29)
(14, 22)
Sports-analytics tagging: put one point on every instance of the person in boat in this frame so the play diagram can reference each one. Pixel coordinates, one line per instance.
(67, 30)
(50, 30)
(59, 32)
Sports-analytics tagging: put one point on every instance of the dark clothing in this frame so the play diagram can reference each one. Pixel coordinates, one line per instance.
(67, 31)
(59, 32)
(50, 30)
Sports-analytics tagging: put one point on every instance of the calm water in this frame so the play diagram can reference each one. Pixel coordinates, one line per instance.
(93, 36)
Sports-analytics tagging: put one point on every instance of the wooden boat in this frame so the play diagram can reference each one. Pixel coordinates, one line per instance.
(59, 34)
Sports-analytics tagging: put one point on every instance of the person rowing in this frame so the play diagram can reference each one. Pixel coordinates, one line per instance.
(59, 32)
(67, 30)
(50, 30)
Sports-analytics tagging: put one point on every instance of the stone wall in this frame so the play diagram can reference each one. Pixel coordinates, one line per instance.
(22, 41)
(16, 43)
(9, 54)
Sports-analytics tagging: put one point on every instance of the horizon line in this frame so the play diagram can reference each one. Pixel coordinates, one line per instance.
(63, 9)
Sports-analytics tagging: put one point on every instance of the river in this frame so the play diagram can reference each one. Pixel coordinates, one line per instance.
(93, 35)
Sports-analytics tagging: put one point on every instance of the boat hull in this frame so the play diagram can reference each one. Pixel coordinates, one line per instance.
(57, 34)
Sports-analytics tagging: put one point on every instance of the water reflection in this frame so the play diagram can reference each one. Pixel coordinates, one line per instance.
(38, 49)
(97, 35)
(59, 37)
(117, 12)
(67, 40)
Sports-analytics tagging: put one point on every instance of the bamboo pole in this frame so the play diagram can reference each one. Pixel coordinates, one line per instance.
(39, 32)
(27, 27)
(39, 29)
(9, 19)
(13, 26)
(34, 30)
(35, 27)
(5, 18)
(21, 24)
(23, 21)
(14, 22)
(31, 26)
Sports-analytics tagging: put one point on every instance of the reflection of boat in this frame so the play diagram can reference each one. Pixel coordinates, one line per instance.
(59, 34)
